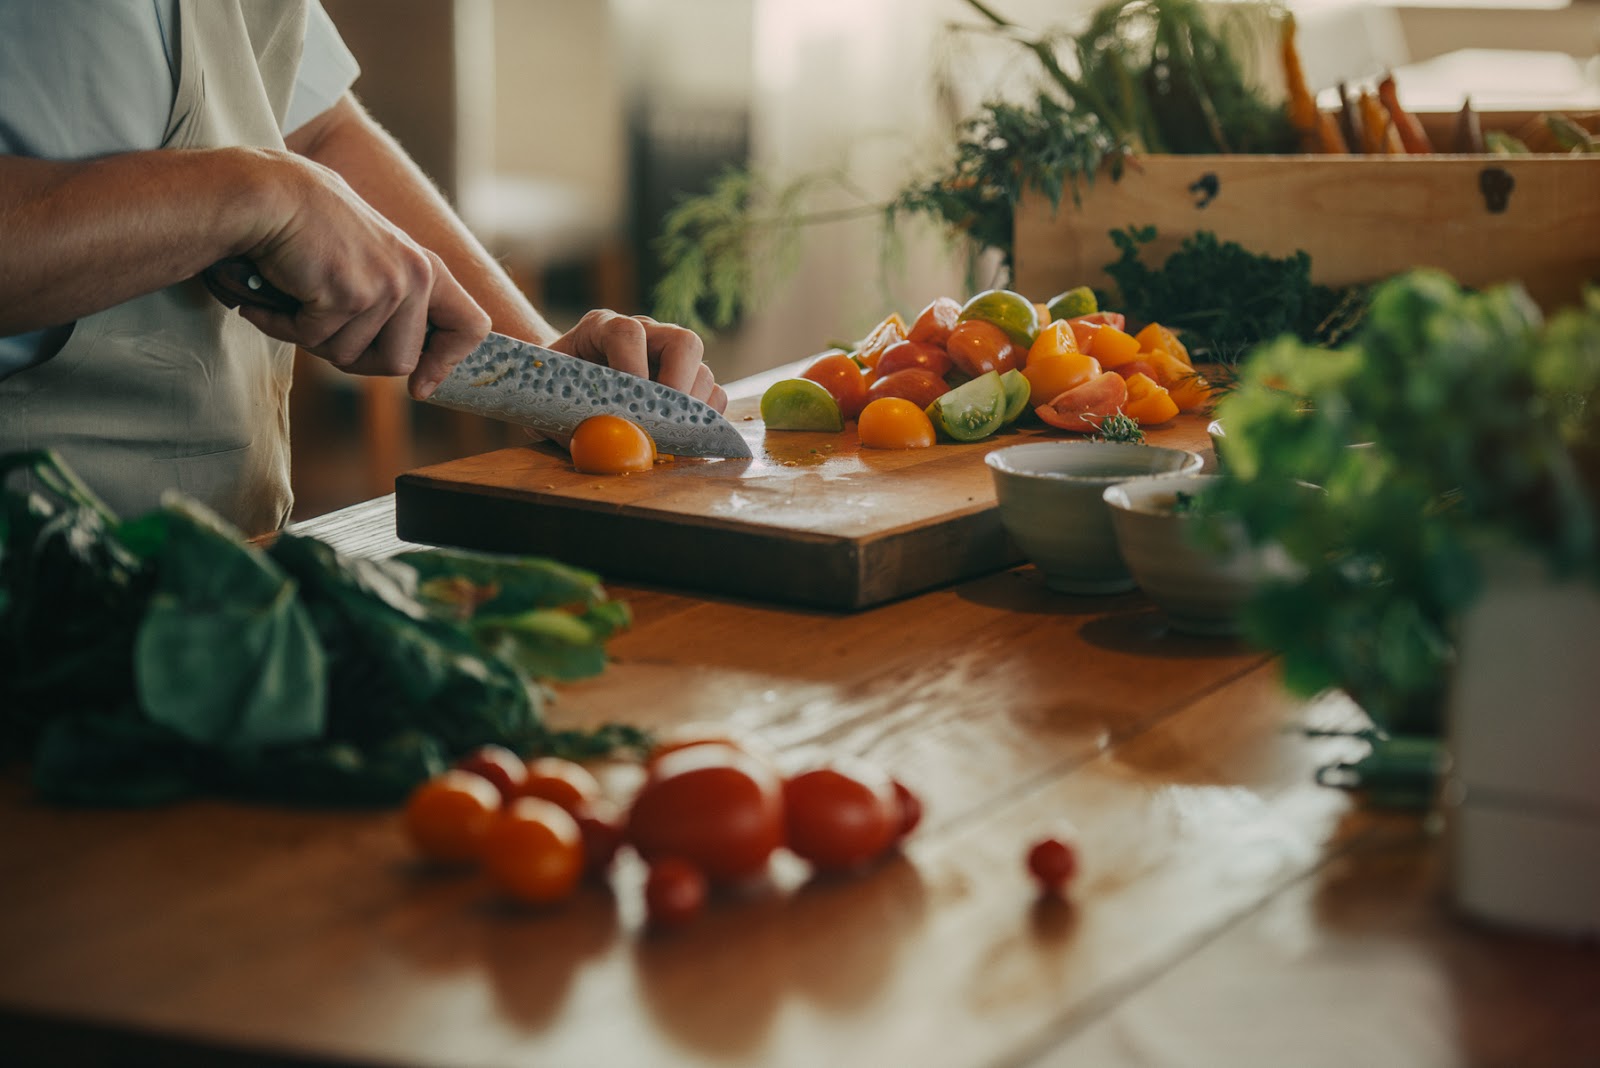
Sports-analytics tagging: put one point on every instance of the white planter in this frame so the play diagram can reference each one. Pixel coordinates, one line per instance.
(1522, 783)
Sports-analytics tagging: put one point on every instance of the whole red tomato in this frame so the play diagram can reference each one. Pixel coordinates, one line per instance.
(838, 374)
(909, 355)
(910, 810)
(712, 805)
(499, 765)
(936, 321)
(919, 387)
(1052, 863)
(978, 346)
(841, 816)
(674, 892)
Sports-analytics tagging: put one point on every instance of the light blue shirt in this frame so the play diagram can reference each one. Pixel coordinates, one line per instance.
(85, 78)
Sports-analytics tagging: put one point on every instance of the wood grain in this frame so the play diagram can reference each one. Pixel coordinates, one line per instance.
(1359, 218)
(812, 520)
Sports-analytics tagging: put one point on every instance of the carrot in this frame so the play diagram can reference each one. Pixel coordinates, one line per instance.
(1378, 136)
(1412, 135)
(1303, 113)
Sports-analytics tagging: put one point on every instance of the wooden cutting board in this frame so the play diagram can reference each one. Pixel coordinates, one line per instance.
(812, 520)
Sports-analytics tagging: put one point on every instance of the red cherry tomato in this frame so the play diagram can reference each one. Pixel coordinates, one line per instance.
(914, 355)
(499, 765)
(1052, 863)
(916, 385)
(936, 321)
(712, 805)
(840, 817)
(839, 375)
(977, 346)
(910, 810)
(689, 734)
(674, 892)
(448, 816)
(1083, 408)
(534, 851)
(601, 827)
(568, 784)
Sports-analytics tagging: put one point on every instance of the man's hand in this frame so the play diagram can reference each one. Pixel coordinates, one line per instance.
(372, 301)
(637, 344)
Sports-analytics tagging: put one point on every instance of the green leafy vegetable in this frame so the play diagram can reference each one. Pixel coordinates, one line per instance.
(1119, 427)
(166, 656)
(1450, 421)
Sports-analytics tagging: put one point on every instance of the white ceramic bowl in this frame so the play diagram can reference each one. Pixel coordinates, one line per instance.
(1199, 586)
(1051, 496)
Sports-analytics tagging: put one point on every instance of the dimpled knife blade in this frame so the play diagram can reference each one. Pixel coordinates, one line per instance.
(532, 386)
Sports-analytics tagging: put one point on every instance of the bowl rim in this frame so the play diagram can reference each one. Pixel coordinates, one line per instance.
(997, 460)
(1127, 495)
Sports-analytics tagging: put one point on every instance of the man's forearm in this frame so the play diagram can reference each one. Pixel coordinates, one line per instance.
(348, 141)
(78, 237)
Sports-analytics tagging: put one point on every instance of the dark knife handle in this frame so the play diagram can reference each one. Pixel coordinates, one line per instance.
(235, 281)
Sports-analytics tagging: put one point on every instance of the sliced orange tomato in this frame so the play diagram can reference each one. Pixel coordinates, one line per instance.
(841, 376)
(886, 333)
(1111, 346)
(1188, 387)
(1050, 376)
(1057, 339)
(1148, 403)
(1085, 407)
(1155, 336)
(894, 423)
(611, 445)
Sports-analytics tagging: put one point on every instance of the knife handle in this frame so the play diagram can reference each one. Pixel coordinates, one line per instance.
(235, 281)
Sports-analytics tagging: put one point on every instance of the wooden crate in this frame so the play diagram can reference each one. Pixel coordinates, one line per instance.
(1484, 219)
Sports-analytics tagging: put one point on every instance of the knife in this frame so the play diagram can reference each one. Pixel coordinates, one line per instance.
(532, 386)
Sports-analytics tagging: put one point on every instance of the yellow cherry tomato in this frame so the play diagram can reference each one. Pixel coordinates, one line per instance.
(1050, 376)
(611, 445)
(894, 423)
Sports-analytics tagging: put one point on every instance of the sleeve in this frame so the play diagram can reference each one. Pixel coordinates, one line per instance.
(327, 69)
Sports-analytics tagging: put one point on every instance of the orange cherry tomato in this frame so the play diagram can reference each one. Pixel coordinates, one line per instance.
(977, 346)
(533, 851)
(936, 321)
(1112, 346)
(711, 805)
(1050, 376)
(914, 355)
(1148, 403)
(568, 784)
(839, 375)
(448, 816)
(1057, 339)
(914, 384)
(611, 445)
(895, 423)
(1085, 407)
(841, 817)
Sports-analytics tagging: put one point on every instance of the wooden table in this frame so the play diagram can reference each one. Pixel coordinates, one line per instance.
(1230, 911)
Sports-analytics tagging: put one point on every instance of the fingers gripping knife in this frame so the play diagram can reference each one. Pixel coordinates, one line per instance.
(530, 385)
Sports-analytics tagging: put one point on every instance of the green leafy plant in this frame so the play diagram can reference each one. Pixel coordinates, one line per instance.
(1141, 76)
(165, 655)
(1450, 422)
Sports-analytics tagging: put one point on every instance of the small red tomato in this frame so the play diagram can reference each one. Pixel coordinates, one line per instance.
(842, 816)
(918, 386)
(914, 355)
(568, 784)
(936, 321)
(499, 765)
(839, 375)
(685, 735)
(977, 346)
(674, 892)
(533, 851)
(910, 810)
(601, 826)
(1052, 863)
(714, 806)
(448, 816)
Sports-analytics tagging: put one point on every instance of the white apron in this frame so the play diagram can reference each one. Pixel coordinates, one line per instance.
(171, 390)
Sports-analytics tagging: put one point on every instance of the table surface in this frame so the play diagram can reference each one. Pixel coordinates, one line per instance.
(1229, 910)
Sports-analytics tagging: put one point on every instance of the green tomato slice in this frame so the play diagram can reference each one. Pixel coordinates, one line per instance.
(973, 410)
(800, 404)
(1073, 303)
(1017, 389)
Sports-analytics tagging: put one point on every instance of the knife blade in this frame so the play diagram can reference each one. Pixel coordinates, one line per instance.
(530, 385)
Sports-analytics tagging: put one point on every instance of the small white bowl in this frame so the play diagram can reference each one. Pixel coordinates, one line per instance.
(1200, 586)
(1051, 496)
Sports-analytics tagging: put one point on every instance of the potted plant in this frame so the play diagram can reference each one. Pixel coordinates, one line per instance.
(1447, 561)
